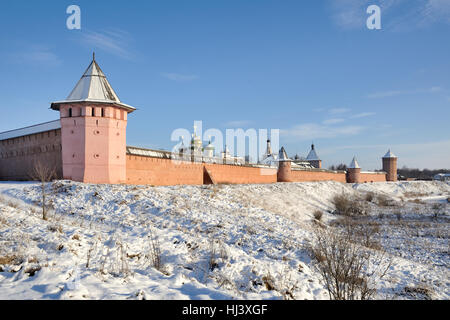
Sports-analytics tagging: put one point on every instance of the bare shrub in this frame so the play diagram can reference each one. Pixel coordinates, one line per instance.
(349, 205)
(216, 251)
(318, 215)
(344, 265)
(369, 232)
(438, 209)
(383, 201)
(268, 281)
(13, 204)
(154, 253)
(420, 292)
(212, 260)
(369, 196)
(10, 260)
(43, 172)
(3, 221)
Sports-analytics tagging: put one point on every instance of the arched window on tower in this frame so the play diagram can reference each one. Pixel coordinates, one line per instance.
(70, 112)
(103, 112)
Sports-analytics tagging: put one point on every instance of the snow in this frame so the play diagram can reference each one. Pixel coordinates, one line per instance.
(43, 127)
(216, 242)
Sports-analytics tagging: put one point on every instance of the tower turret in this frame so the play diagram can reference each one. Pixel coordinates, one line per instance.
(354, 172)
(93, 130)
(390, 166)
(284, 167)
(313, 158)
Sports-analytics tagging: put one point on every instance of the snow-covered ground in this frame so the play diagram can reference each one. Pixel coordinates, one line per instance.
(216, 242)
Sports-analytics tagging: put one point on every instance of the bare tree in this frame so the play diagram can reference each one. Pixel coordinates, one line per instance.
(349, 271)
(43, 172)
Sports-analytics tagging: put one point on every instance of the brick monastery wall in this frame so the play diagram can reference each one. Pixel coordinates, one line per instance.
(372, 177)
(223, 173)
(161, 171)
(317, 175)
(18, 155)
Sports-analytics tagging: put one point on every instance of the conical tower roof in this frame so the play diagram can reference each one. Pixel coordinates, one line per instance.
(93, 87)
(312, 154)
(354, 164)
(389, 154)
(282, 155)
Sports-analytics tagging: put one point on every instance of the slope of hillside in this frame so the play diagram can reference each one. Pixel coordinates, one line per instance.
(215, 242)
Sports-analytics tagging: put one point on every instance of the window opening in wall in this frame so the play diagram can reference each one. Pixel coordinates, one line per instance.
(70, 112)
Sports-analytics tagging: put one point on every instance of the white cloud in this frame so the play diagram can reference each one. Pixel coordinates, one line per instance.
(363, 115)
(179, 77)
(393, 93)
(38, 55)
(310, 131)
(333, 121)
(113, 41)
(338, 110)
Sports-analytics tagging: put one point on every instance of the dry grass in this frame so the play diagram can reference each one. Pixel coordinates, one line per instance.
(414, 194)
(350, 205)
(10, 260)
(384, 201)
(369, 196)
(76, 237)
(318, 215)
(419, 292)
(154, 253)
(3, 221)
(268, 281)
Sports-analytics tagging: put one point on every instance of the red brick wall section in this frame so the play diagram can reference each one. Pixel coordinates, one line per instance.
(162, 172)
(223, 173)
(157, 171)
(372, 177)
(309, 175)
(18, 155)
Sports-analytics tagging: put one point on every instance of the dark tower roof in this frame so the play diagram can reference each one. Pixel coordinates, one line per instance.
(312, 154)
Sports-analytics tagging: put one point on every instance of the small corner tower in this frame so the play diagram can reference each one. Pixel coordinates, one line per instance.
(93, 130)
(390, 166)
(313, 159)
(354, 172)
(284, 167)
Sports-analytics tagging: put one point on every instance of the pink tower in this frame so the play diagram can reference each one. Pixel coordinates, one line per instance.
(93, 130)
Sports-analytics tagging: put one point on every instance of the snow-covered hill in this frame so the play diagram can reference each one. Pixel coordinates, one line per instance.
(216, 242)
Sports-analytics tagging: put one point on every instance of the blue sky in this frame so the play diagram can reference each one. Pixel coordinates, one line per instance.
(309, 68)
